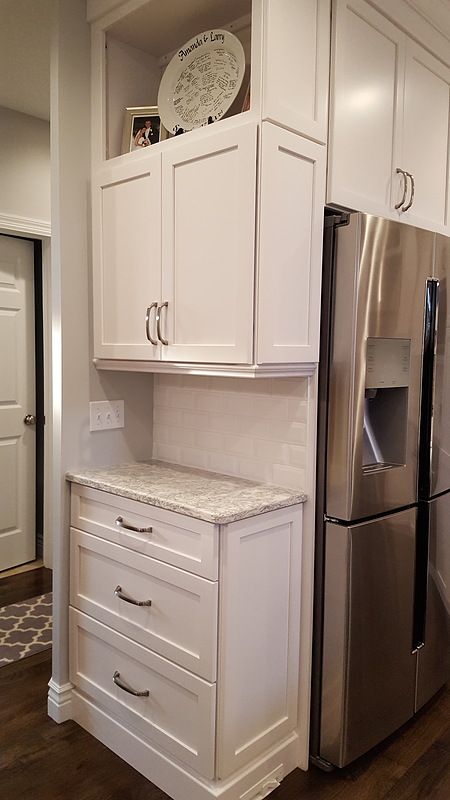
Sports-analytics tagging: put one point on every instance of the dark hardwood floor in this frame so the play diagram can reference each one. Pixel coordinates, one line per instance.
(40, 760)
(15, 588)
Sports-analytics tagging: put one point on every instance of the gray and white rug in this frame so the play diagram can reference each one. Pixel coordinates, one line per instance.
(25, 628)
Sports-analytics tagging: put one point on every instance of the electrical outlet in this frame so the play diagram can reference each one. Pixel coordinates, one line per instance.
(106, 415)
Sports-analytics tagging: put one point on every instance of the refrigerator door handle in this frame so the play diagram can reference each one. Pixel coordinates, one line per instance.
(421, 576)
(427, 391)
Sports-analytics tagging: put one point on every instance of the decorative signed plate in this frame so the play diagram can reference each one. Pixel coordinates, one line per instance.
(201, 81)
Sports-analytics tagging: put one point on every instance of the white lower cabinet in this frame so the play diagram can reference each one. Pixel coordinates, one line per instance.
(192, 680)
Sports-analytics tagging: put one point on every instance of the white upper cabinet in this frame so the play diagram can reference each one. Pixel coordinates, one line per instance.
(191, 234)
(389, 121)
(295, 66)
(367, 56)
(208, 207)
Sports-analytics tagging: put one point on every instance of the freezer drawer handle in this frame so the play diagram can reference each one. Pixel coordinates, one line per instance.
(122, 524)
(118, 592)
(117, 680)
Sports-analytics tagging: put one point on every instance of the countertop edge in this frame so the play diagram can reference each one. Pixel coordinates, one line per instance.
(216, 519)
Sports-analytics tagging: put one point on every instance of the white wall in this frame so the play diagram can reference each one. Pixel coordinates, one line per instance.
(24, 166)
(254, 429)
(74, 379)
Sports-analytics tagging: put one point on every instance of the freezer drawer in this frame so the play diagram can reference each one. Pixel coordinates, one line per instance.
(368, 675)
(434, 657)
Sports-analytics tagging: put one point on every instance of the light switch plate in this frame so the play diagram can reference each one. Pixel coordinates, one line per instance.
(106, 414)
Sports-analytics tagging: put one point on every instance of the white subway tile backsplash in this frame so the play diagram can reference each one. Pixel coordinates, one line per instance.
(289, 476)
(239, 445)
(221, 462)
(255, 429)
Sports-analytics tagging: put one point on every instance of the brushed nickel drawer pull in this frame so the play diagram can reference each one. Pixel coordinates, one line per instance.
(122, 685)
(158, 322)
(411, 197)
(122, 524)
(148, 323)
(405, 187)
(118, 592)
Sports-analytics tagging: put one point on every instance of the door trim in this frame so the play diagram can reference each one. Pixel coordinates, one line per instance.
(39, 231)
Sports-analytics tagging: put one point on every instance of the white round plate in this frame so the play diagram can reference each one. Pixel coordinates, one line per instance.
(201, 81)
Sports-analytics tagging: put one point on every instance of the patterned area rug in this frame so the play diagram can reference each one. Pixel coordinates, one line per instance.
(25, 628)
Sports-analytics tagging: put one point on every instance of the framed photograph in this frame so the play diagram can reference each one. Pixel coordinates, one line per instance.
(142, 127)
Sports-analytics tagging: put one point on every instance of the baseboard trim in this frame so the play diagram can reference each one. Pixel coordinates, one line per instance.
(173, 778)
(59, 703)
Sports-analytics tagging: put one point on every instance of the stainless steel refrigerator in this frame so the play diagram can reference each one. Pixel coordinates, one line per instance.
(382, 583)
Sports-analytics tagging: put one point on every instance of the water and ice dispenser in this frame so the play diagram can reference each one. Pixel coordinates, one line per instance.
(386, 403)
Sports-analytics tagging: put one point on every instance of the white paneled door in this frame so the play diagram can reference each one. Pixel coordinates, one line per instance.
(17, 399)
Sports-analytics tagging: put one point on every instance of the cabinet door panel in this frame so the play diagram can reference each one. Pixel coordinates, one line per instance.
(296, 65)
(127, 257)
(259, 636)
(290, 252)
(209, 187)
(366, 95)
(426, 137)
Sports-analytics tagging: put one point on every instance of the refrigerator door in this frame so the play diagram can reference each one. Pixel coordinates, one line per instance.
(369, 670)
(380, 272)
(434, 657)
(440, 457)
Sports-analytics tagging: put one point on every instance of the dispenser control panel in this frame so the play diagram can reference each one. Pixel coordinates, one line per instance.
(387, 362)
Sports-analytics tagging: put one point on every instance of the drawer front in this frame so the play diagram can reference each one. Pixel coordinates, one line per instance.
(180, 623)
(178, 715)
(184, 542)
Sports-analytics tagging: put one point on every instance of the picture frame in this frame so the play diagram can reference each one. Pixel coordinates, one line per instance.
(142, 127)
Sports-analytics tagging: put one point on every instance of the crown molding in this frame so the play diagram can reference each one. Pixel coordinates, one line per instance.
(10, 223)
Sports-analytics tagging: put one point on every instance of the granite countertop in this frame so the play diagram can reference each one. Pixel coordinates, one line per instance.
(196, 493)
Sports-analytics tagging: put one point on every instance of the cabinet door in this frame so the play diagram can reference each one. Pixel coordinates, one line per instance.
(126, 256)
(426, 137)
(365, 109)
(290, 250)
(296, 65)
(209, 185)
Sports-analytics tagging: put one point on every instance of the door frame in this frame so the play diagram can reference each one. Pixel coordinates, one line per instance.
(40, 233)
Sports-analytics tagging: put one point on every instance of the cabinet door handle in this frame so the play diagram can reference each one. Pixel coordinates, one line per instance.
(120, 522)
(148, 323)
(118, 592)
(405, 188)
(411, 196)
(117, 680)
(158, 322)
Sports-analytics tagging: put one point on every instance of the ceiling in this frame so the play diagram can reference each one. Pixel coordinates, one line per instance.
(25, 56)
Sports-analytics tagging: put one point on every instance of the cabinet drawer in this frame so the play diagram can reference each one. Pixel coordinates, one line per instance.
(178, 714)
(184, 542)
(180, 624)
